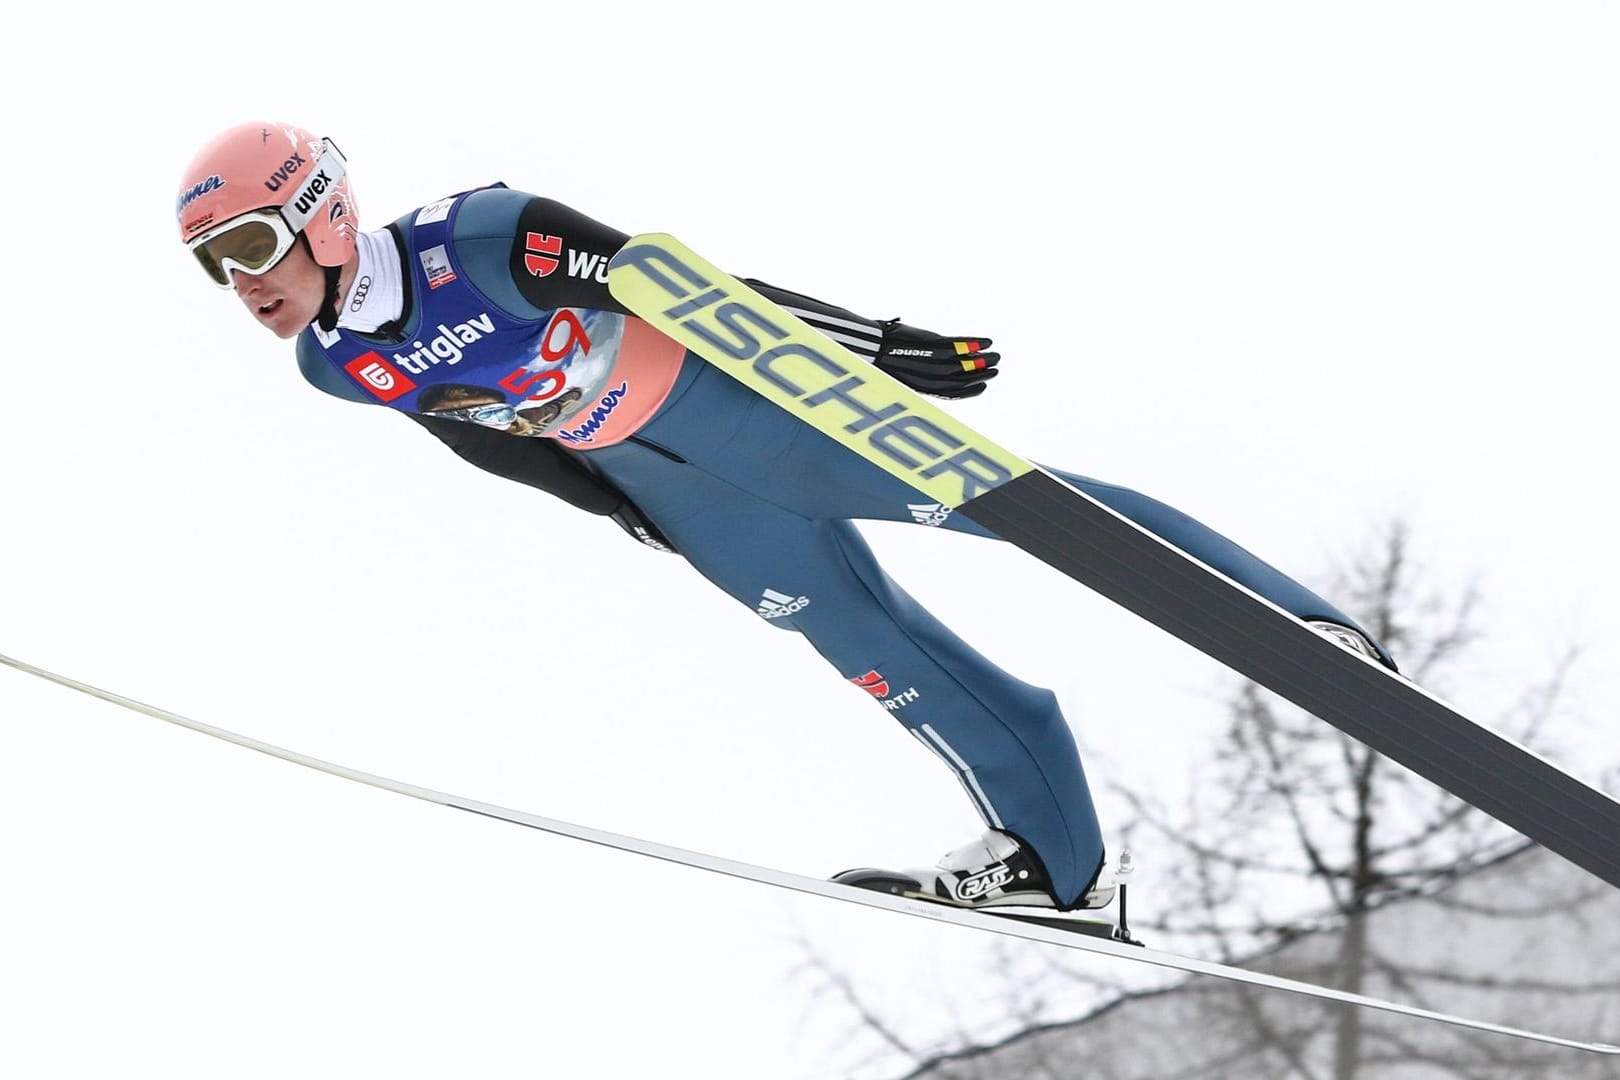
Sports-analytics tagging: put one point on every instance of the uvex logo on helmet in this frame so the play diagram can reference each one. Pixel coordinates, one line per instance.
(283, 174)
(309, 196)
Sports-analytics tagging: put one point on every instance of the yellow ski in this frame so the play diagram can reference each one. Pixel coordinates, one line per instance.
(797, 367)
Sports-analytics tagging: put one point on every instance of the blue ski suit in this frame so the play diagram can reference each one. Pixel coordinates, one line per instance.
(506, 304)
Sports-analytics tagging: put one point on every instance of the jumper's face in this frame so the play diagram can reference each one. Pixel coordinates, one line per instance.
(287, 297)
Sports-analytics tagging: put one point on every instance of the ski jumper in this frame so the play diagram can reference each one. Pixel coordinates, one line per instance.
(509, 347)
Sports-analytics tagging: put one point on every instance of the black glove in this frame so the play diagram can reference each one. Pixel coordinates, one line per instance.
(948, 367)
(952, 367)
(630, 520)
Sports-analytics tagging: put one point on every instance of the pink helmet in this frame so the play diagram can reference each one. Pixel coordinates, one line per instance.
(264, 164)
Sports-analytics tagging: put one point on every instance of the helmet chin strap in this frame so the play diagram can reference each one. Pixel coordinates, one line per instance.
(328, 318)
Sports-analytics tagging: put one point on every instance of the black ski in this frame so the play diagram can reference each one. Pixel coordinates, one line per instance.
(806, 373)
(1394, 716)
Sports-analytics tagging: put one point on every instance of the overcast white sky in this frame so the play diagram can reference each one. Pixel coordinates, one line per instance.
(1293, 268)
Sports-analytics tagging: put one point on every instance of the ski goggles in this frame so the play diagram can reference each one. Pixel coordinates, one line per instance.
(256, 241)
(253, 243)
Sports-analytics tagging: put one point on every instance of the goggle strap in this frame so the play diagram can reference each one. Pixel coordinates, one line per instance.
(324, 176)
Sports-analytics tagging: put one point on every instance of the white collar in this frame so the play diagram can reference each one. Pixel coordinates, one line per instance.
(377, 294)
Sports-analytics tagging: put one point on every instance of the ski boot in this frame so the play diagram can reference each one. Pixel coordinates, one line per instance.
(993, 871)
(1354, 640)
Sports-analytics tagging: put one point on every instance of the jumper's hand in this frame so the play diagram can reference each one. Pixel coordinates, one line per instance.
(948, 367)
